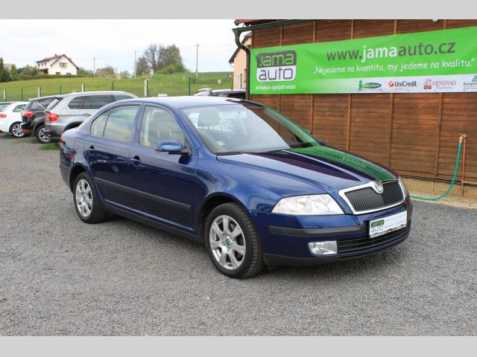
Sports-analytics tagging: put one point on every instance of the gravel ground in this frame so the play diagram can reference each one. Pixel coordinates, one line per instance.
(59, 276)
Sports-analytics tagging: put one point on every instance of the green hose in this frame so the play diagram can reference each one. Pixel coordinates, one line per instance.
(452, 183)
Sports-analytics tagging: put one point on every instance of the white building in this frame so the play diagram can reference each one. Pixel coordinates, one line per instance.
(59, 65)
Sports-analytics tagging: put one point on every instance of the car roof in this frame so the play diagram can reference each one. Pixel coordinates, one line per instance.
(47, 97)
(97, 93)
(188, 101)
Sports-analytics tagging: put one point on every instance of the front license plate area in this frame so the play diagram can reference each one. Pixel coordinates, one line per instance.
(385, 225)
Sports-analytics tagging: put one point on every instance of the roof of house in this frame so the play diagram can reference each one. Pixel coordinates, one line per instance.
(56, 58)
(244, 40)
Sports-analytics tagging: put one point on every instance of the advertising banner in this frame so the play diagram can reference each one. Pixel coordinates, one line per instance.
(423, 62)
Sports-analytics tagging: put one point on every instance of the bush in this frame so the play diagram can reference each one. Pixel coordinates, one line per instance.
(172, 68)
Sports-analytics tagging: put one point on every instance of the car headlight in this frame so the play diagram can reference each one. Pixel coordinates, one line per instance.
(403, 187)
(308, 205)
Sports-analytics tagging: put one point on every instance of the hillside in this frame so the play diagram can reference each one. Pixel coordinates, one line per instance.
(170, 84)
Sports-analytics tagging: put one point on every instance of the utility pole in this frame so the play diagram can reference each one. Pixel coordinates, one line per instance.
(94, 66)
(135, 64)
(196, 60)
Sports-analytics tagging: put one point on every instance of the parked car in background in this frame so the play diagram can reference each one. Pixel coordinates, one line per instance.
(11, 119)
(240, 177)
(73, 109)
(229, 93)
(4, 104)
(33, 117)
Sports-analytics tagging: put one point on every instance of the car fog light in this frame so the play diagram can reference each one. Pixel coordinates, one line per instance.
(323, 248)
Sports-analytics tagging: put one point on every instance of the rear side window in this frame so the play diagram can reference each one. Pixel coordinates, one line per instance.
(91, 101)
(36, 106)
(19, 108)
(120, 124)
(46, 101)
(97, 127)
(123, 96)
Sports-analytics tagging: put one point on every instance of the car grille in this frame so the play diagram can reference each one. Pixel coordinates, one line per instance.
(351, 247)
(367, 199)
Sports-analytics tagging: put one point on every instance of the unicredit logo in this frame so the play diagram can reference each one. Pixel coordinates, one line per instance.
(402, 84)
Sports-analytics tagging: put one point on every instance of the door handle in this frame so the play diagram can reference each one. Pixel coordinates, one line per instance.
(136, 159)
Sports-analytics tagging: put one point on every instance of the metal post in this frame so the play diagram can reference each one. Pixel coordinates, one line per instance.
(189, 91)
(196, 60)
(38, 92)
(463, 140)
(61, 89)
(112, 85)
(146, 88)
(4, 94)
(21, 93)
(82, 87)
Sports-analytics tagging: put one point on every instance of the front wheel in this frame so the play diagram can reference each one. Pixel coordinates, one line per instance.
(232, 242)
(16, 130)
(42, 134)
(87, 203)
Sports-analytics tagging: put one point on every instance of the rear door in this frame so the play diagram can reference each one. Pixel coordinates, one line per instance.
(108, 153)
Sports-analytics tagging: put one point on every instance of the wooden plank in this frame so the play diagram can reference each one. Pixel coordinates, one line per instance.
(330, 115)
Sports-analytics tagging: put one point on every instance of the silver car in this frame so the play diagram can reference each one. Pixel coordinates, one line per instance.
(72, 109)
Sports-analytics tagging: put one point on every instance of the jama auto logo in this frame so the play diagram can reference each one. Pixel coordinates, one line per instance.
(276, 66)
(402, 84)
(368, 85)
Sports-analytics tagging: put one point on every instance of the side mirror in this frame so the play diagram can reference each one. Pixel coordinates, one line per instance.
(172, 147)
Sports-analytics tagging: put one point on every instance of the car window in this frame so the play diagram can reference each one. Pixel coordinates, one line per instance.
(36, 106)
(97, 127)
(159, 125)
(122, 96)
(19, 108)
(90, 101)
(120, 124)
(4, 105)
(46, 101)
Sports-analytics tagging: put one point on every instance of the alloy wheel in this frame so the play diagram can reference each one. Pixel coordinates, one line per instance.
(84, 198)
(17, 130)
(227, 242)
(43, 135)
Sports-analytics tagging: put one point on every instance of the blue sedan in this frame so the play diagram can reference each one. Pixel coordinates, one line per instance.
(252, 185)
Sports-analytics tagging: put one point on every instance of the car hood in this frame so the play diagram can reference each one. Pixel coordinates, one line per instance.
(320, 165)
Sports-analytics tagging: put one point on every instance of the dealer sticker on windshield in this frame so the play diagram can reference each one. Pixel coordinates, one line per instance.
(381, 226)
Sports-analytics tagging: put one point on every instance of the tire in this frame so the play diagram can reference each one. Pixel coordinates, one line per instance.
(86, 201)
(236, 253)
(41, 134)
(16, 130)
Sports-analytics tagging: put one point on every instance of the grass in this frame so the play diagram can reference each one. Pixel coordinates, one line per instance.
(50, 146)
(170, 84)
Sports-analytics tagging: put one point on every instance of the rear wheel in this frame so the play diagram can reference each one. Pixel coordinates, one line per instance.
(87, 204)
(42, 134)
(16, 130)
(232, 242)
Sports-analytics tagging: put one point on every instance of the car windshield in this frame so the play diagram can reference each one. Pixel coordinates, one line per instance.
(246, 128)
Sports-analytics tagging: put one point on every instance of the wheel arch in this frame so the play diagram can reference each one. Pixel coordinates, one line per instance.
(75, 171)
(214, 200)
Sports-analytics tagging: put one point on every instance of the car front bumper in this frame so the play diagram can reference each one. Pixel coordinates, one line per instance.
(285, 239)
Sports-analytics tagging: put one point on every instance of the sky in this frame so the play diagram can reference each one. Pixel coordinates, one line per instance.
(113, 42)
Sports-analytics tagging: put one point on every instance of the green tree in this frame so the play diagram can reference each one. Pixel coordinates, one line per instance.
(13, 73)
(142, 67)
(170, 57)
(4, 74)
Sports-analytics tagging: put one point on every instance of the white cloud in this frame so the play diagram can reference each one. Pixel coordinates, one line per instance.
(113, 42)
